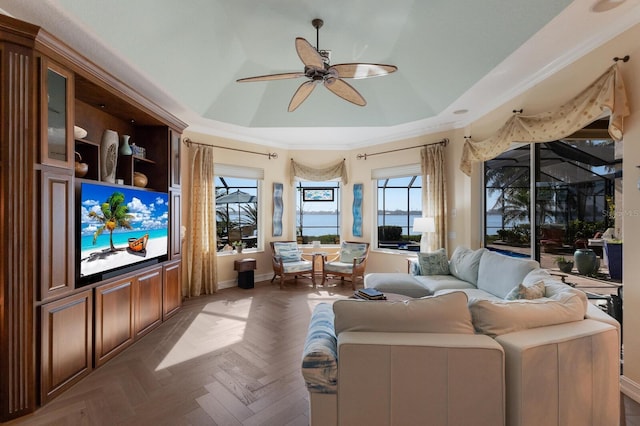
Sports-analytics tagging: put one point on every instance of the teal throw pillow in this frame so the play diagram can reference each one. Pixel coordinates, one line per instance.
(287, 251)
(435, 263)
(350, 251)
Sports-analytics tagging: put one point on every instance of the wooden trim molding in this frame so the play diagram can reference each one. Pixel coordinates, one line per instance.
(630, 388)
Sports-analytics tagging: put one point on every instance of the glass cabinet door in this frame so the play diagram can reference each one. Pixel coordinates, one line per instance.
(175, 159)
(57, 115)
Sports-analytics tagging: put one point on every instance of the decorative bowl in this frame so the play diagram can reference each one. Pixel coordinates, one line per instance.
(79, 132)
(139, 180)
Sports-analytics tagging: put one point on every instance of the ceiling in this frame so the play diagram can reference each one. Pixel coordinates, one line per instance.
(457, 59)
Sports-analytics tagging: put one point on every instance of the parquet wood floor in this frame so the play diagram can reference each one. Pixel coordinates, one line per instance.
(232, 358)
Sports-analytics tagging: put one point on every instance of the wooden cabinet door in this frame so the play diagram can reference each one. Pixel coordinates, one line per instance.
(57, 235)
(66, 343)
(175, 207)
(114, 323)
(174, 162)
(57, 114)
(172, 291)
(148, 301)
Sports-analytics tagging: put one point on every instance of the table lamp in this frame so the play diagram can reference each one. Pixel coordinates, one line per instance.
(424, 224)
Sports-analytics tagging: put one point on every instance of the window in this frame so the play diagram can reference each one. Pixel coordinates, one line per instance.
(237, 205)
(318, 212)
(575, 182)
(399, 195)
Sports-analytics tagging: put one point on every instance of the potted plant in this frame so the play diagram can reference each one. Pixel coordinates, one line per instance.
(238, 245)
(564, 265)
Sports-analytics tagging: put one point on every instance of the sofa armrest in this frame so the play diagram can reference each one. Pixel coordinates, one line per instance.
(319, 357)
(571, 369)
(420, 378)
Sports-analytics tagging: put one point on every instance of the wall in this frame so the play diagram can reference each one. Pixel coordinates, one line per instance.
(277, 170)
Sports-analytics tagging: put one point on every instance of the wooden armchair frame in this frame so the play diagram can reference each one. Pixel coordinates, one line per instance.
(357, 270)
(279, 269)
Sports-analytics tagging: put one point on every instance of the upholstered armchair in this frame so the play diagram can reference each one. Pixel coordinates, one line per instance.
(349, 262)
(289, 261)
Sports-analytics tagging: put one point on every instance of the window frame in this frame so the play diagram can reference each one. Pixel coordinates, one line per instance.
(226, 171)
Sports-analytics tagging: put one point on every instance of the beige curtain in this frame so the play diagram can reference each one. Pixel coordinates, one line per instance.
(201, 244)
(434, 196)
(339, 170)
(605, 95)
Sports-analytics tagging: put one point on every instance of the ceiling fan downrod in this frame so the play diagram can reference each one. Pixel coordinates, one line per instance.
(317, 24)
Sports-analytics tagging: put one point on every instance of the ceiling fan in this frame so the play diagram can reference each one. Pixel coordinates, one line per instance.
(317, 69)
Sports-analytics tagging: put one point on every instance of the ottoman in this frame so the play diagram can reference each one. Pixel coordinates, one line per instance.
(396, 282)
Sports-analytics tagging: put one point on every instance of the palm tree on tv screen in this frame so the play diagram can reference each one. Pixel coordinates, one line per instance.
(115, 214)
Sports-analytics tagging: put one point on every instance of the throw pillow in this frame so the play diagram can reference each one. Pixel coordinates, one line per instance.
(535, 291)
(320, 357)
(464, 264)
(435, 263)
(495, 318)
(432, 314)
(287, 251)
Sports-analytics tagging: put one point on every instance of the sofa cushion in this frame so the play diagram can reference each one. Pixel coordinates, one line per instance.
(498, 273)
(320, 354)
(495, 318)
(396, 282)
(435, 263)
(521, 291)
(472, 293)
(552, 285)
(435, 283)
(287, 251)
(432, 314)
(464, 264)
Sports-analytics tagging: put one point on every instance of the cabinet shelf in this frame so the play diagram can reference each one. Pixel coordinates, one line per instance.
(143, 159)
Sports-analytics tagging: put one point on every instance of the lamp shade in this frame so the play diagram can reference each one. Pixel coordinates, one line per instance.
(424, 224)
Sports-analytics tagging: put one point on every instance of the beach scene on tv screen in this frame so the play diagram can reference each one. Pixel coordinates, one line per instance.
(120, 226)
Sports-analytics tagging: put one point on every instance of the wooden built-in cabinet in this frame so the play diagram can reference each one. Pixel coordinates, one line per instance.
(48, 88)
(172, 290)
(57, 275)
(114, 329)
(148, 301)
(67, 343)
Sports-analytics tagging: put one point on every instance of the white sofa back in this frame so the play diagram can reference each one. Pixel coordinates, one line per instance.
(498, 273)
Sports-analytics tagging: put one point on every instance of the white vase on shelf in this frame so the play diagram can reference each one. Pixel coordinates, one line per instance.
(109, 155)
(125, 149)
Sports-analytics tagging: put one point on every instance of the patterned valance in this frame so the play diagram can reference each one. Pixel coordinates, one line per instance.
(339, 170)
(605, 95)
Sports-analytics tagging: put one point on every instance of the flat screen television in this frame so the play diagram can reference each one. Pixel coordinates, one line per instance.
(120, 229)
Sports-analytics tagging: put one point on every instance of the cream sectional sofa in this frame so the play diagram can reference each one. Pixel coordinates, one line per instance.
(460, 354)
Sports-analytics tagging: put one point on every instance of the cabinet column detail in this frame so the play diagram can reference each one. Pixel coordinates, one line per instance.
(17, 156)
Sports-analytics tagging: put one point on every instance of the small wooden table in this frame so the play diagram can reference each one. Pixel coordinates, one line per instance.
(315, 255)
(245, 269)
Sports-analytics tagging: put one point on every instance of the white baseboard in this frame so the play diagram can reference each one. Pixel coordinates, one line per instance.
(630, 388)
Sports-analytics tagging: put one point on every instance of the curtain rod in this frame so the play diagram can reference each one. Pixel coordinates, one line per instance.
(271, 155)
(444, 142)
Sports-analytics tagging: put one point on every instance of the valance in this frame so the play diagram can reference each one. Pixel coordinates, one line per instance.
(605, 95)
(339, 170)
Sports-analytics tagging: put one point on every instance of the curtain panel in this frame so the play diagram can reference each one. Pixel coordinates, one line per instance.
(338, 170)
(201, 245)
(434, 196)
(605, 95)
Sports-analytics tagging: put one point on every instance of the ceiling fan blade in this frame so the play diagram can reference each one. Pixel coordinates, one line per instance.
(308, 54)
(357, 71)
(345, 91)
(301, 94)
(270, 77)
